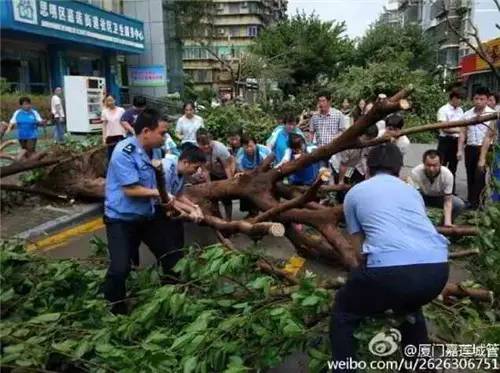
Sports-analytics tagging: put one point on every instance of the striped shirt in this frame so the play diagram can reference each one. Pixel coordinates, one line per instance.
(327, 127)
(477, 132)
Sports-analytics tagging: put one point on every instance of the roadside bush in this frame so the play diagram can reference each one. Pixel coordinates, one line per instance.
(9, 103)
(250, 118)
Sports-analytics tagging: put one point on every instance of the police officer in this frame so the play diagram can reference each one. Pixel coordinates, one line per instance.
(405, 258)
(131, 210)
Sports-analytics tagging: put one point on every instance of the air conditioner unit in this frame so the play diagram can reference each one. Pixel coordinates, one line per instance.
(221, 31)
(244, 4)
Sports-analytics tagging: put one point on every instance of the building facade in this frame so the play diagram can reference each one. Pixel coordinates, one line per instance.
(475, 72)
(213, 62)
(162, 56)
(44, 40)
(439, 19)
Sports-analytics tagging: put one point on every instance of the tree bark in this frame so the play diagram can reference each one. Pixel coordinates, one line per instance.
(42, 192)
(458, 230)
(458, 291)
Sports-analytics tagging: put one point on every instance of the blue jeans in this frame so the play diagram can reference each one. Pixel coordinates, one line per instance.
(59, 129)
(371, 291)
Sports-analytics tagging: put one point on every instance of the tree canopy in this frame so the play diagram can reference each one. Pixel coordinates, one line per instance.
(309, 47)
(387, 43)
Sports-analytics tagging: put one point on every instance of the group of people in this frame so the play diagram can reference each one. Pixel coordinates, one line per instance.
(403, 258)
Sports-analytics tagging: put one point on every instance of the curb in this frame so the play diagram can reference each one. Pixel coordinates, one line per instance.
(57, 224)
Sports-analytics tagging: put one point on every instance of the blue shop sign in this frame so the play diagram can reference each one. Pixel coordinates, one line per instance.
(75, 21)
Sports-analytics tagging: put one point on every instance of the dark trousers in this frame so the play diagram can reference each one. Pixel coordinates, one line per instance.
(457, 205)
(371, 291)
(475, 178)
(111, 142)
(164, 237)
(448, 148)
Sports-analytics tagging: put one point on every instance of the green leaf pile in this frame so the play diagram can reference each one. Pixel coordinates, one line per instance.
(222, 316)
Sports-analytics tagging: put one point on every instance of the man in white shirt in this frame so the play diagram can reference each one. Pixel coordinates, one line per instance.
(435, 183)
(448, 138)
(393, 125)
(469, 146)
(58, 116)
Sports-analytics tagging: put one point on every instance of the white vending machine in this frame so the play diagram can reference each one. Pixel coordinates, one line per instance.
(84, 97)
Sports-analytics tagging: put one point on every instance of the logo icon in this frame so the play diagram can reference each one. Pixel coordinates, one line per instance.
(25, 11)
(385, 343)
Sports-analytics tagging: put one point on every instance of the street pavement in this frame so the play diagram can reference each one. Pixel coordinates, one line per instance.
(75, 242)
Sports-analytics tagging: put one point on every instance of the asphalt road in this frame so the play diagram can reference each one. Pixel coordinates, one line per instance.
(76, 242)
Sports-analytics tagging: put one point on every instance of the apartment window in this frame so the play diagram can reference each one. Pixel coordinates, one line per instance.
(252, 31)
(202, 76)
(234, 31)
(234, 8)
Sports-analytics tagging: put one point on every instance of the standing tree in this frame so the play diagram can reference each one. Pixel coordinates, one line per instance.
(307, 46)
(389, 43)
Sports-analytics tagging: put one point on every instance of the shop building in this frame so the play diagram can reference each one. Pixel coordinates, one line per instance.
(44, 40)
(475, 72)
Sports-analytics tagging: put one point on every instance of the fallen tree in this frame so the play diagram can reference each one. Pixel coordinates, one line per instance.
(310, 226)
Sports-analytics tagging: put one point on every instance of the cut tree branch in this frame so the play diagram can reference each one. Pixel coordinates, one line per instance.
(458, 230)
(39, 191)
(452, 290)
(463, 253)
(429, 127)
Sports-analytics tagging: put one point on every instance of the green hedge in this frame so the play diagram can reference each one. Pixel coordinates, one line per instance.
(250, 118)
(9, 103)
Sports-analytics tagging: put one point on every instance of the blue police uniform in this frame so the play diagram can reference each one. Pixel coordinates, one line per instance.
(129, 164)
(406, 262)
(132, 220)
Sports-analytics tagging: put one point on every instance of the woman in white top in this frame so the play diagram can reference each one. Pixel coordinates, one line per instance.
(112, 129)
(187, 125)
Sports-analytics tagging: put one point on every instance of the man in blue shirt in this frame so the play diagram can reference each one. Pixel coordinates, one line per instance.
(26, 119)
(176, 170)
(132, 213)
(404, 257)
(279, 139)
(130, 116)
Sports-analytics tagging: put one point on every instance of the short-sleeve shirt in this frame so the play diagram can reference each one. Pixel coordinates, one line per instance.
(327, 126)
(129, 165)
(477, 132)
(188, 127)
(244, 162)
(113, 121)
(278, 141)
(440, 185)
(170, 146)
(355, 158)
(174, 181)
(402, 142)
(392, 216)
(26, 123)
(215, 159)
(130, 115)
(449, 113)
(56, 107)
